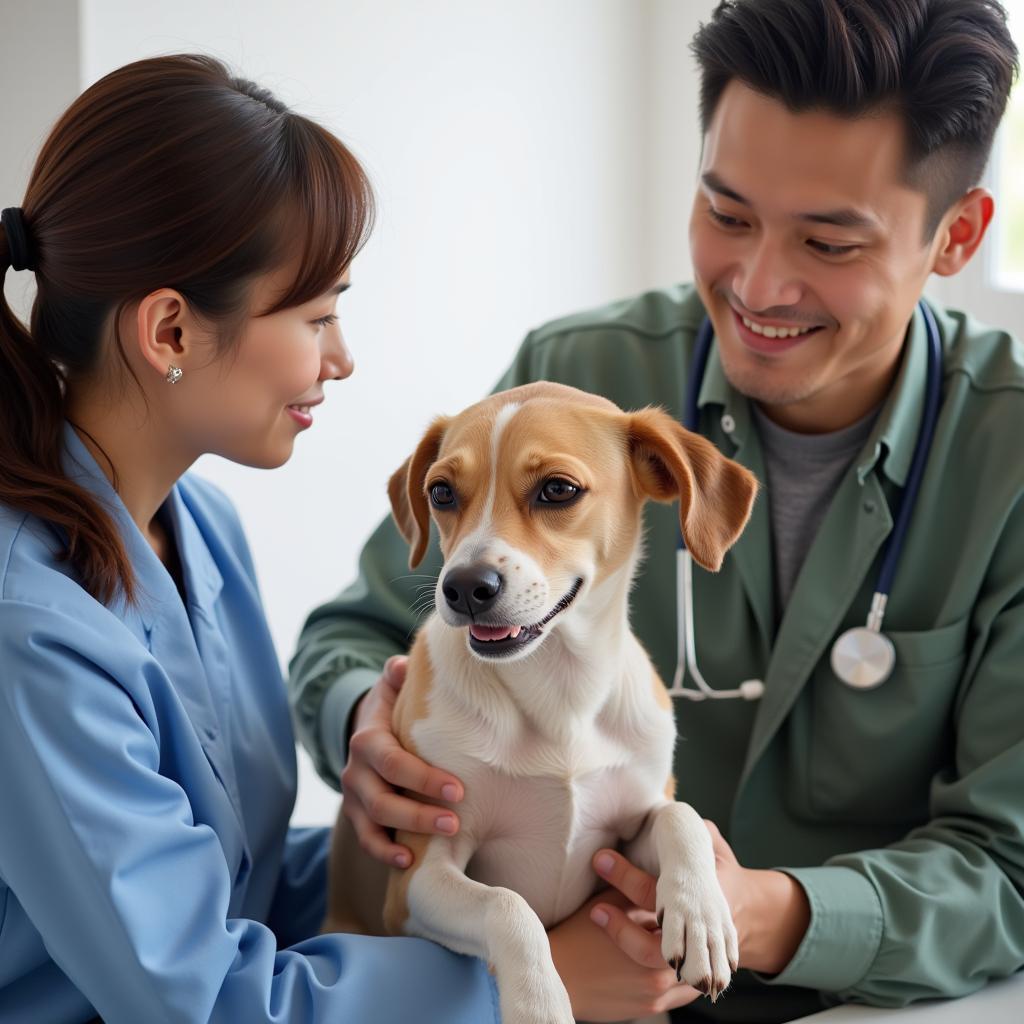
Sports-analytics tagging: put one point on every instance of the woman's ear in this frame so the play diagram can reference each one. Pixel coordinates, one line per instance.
(164, 329)
(962, 231)
(406, 489)
(715, 494)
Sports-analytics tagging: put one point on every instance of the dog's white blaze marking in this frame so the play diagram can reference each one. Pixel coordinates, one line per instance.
(483, 531)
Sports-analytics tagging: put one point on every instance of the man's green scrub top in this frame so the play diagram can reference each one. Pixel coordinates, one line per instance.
(901, 809)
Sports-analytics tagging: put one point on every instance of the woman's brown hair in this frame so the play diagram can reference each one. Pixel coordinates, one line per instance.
(168, 172)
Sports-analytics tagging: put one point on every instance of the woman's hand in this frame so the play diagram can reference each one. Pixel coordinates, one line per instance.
(378, 765)
(608, 955)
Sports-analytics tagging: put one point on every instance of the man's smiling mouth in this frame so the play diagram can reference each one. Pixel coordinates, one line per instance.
(501, 640)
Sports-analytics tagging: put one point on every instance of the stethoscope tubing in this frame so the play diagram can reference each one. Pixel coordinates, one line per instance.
(879, 646)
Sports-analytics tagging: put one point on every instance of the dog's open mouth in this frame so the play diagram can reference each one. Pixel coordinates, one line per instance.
(499, 641)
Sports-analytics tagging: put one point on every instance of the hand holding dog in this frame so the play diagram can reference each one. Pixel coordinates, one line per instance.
(626, 977)
(378, 765)
(769, 908)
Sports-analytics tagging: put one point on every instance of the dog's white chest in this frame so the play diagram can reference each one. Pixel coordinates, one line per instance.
(536, 832)
(539, 834)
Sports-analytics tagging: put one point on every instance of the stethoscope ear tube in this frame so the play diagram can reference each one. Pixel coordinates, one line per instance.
(862, 657)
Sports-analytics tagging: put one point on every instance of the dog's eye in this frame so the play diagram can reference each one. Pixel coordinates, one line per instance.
(557, 491)
(442, 496)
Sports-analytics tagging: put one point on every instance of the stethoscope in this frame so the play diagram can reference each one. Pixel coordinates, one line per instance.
(862, 657)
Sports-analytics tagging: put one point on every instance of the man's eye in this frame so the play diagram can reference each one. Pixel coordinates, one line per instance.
(557, 491)
(830, 250)
(442, 496)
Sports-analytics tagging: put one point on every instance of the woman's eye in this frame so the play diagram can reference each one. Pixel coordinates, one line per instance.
(326, 321)
(724, 219)
(442, 496)
(557, 491)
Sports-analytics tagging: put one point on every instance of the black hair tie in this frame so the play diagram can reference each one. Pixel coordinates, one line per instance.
(17, 239)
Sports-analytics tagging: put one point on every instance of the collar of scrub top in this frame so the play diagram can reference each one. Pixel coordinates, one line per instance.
(158, 594)
(186, 642)
(851, 645)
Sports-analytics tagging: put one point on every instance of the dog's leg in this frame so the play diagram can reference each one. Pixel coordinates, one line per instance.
(698, 937)
(356, 883)
(493, 923)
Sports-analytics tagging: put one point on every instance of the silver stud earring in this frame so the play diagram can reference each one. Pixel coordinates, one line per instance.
(174, 374)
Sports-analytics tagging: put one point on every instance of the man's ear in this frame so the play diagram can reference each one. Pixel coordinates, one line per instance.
(406, 491)
(715, 494)
(163, 328)
(962, 231)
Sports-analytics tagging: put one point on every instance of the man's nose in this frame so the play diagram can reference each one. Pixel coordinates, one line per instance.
(471, 590)
(336, 362)
(764, 280)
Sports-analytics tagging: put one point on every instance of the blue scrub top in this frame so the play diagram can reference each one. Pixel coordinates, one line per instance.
(147, 774)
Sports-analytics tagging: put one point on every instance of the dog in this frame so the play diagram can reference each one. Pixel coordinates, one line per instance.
(528, 684)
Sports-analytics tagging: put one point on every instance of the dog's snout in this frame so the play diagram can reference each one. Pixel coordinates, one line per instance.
(471, 590)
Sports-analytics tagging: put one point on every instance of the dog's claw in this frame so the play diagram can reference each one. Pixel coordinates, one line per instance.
(677, 964)
(661, 917)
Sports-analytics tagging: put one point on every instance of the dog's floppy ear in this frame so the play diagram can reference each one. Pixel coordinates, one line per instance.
(715, 494)
(405, 489)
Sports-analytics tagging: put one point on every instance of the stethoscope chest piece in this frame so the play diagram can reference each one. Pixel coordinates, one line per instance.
(863, 658)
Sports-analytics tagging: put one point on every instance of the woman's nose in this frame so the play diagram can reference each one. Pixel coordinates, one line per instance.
(336, 362)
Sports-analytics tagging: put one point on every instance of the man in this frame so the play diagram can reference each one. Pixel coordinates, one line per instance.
(880, 832)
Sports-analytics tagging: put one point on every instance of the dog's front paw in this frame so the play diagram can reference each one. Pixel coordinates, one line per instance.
(698, 938)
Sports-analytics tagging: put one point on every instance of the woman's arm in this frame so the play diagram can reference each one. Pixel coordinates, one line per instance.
(132, 893)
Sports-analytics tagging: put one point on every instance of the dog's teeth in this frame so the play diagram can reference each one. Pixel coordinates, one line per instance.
(516, 630)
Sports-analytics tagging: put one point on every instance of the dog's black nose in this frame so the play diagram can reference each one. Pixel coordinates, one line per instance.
(471, 590)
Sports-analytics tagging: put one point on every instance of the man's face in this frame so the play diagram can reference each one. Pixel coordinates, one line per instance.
(803, 222)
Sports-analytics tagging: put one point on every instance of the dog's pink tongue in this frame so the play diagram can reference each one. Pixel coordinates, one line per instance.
(490, 632)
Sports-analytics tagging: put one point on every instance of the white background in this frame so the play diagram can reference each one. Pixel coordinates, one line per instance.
(530, 158)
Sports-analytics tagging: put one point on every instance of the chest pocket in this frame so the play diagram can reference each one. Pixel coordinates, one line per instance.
(873, 753)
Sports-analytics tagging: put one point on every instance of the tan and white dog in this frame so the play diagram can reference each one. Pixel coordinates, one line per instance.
(528, 684)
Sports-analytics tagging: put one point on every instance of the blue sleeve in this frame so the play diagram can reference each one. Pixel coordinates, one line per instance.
(130, 895)
(300, 900)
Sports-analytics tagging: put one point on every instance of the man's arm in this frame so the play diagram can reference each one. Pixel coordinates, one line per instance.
(345, 643)
(940, 912)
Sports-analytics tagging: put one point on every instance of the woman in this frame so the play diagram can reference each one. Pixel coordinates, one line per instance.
(189, 237)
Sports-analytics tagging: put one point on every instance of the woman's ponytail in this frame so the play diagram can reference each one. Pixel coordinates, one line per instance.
(32, 478)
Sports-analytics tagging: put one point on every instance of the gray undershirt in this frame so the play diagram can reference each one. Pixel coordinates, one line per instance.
(803, 472)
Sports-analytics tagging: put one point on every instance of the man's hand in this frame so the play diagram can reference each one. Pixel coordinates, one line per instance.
(769, 908)
(620, 974)
(378, 765)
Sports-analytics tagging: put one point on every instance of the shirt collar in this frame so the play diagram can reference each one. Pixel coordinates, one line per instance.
(203, 581)
(895, 433)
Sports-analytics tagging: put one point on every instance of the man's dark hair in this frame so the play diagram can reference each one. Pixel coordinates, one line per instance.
(945, 65)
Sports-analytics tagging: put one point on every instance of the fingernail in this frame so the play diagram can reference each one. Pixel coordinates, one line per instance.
(450, 792)
(402, 860)
(445, 823)
(604, 864)
(599, 917)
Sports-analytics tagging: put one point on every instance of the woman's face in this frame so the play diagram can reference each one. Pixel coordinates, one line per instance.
(249, 404)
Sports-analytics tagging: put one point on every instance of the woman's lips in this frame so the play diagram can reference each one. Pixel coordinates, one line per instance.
(301, 415)
(763, 344)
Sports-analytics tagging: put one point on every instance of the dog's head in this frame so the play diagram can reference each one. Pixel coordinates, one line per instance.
(537, 494)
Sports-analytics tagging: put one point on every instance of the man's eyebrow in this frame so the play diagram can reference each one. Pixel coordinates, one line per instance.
(844, 217)
(847, 217)
(715, 183)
